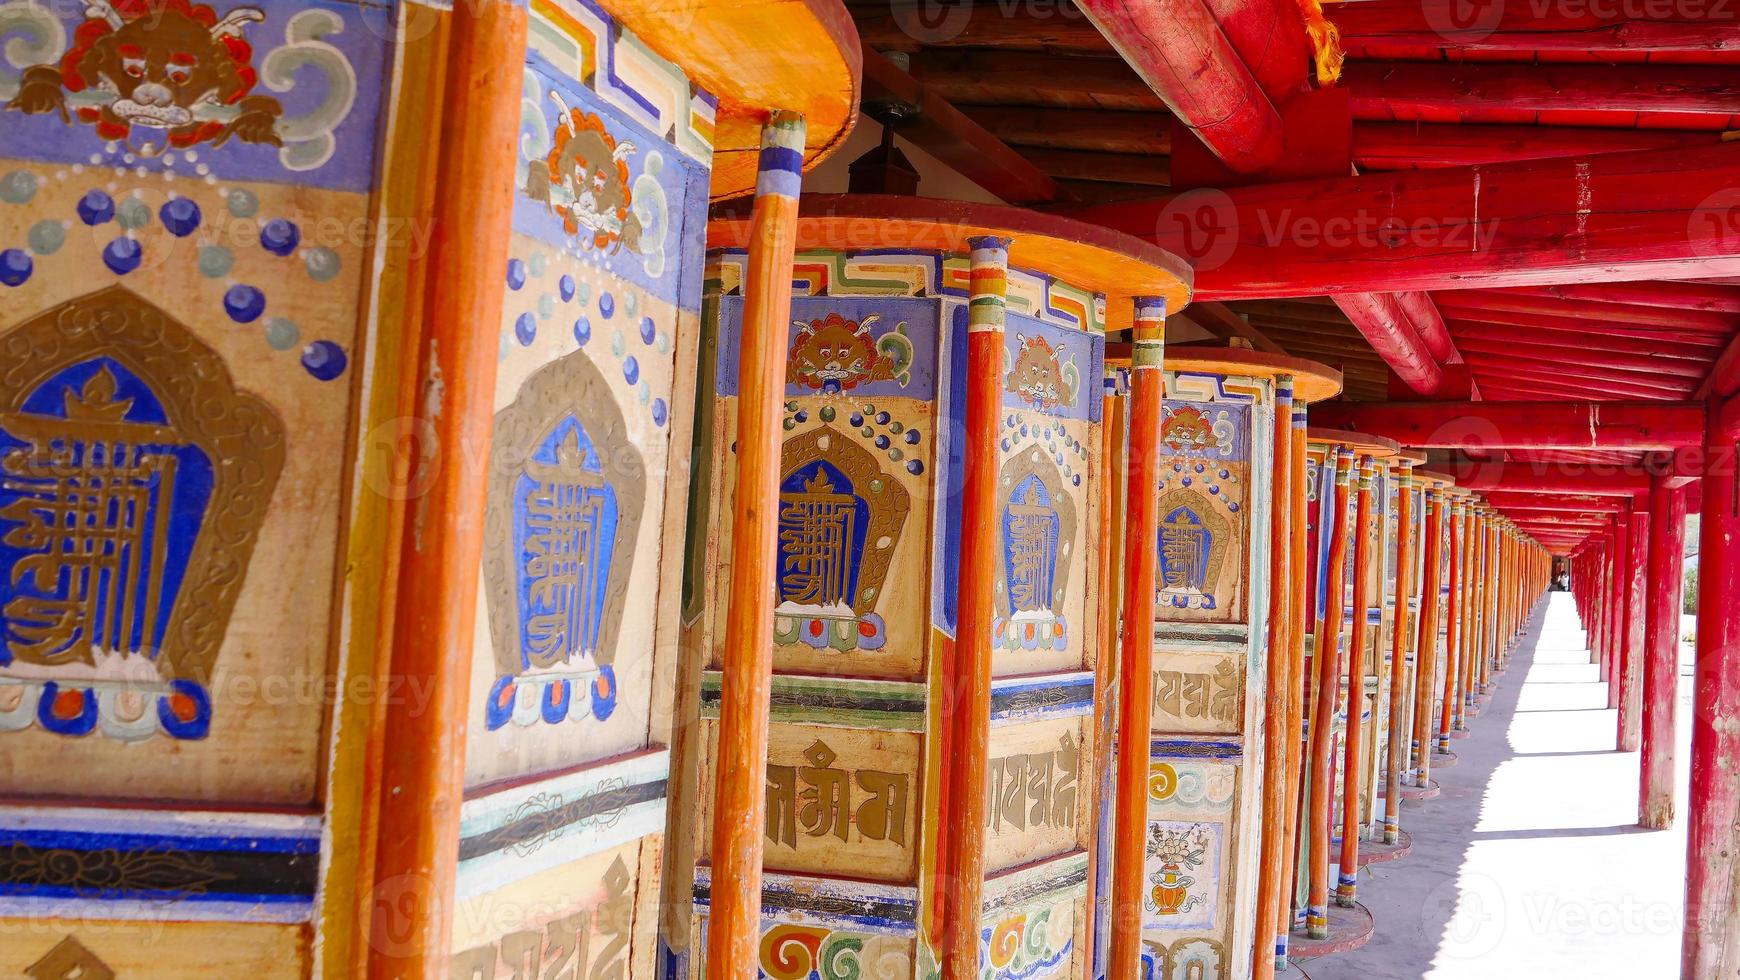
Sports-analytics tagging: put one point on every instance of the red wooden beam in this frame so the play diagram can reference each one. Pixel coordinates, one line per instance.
(1567, 341)
(1622, 216)
(1417, 146)
(1455, 313)
(1533, 391)
(1562, 520)
(1509, 500)
(1613, 381)
(1549, 479)
(1724, 377)
(1390, 331)
(1601, 388)
(1655, 316)
(955, 139)
(1525, 510)
(1521, 425)
(1269, 38)
(1550, 355)
(1707, 297)
(1431, 90)
(1180, 51)
(1428, 321)
(1592, 28)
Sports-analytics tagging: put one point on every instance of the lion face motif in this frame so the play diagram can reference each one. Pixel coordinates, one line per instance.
(1186, 429)
(836, 354)
(1038, 376)
(161, 64)
(591, 169)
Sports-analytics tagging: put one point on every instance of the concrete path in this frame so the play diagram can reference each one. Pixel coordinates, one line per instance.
(1530, 864)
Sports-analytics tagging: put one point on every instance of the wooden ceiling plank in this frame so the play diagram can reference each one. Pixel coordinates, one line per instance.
(1615, 217)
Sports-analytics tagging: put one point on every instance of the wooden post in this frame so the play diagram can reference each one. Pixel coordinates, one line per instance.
(1136, 680)
(1105, 667)
(969, 686)
(1470, 628)
(1711, 944)
(739, 795)
(1426, 652)
(1299, 611)
(1494, 605)
(1619, 600)
(1453, 634)
(1327, 657)
(1632, 650)
(1398, 744)
(422, 762)
(1278, 738)
(1661, 652)
(1352, 741)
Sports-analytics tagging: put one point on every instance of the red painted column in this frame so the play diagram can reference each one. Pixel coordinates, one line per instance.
(1426, 651)
(421, 778)
(1399, 636)
(1631, 651)
(1299, 611)
(1353, 741)
(1453, 630)
(740, 793)
(970, 679)
(1711, 947)
(1279, 736)
(1598, 603)
(1326, 658)
(1661, 654)
(1619, 600)
(1136, 660)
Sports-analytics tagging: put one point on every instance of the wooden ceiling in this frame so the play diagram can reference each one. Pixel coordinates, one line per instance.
(1041, 88)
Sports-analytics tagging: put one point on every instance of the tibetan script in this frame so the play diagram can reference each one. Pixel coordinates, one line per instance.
(89, 502)
(1033, 789)
(1032, 529)
(815, 534)
(590, 943)
(1193, 694)
(566, 554)
(818, 799)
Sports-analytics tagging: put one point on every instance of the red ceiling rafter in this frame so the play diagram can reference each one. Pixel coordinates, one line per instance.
(1620, 216)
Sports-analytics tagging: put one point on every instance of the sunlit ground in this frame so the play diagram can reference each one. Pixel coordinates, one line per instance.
(1530, 864)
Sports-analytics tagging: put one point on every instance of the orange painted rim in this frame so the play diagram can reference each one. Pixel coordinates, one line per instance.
(1083, 255)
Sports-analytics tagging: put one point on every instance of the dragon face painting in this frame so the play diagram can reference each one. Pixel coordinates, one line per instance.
(165, 65)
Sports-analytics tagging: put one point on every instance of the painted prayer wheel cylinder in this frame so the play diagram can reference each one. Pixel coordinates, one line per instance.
(575, 665)
(870, 589)
(1428, 687)
(1395, 612)
(1335, 458)
(1209, 658)
(218, 319)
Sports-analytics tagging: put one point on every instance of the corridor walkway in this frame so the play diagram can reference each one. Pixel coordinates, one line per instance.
(1530, 863)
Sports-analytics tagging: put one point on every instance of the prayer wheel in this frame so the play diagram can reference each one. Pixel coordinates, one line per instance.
(1437, 490)
(342, 418)
(1216, 566)
(1345, 573)
(932, 737)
